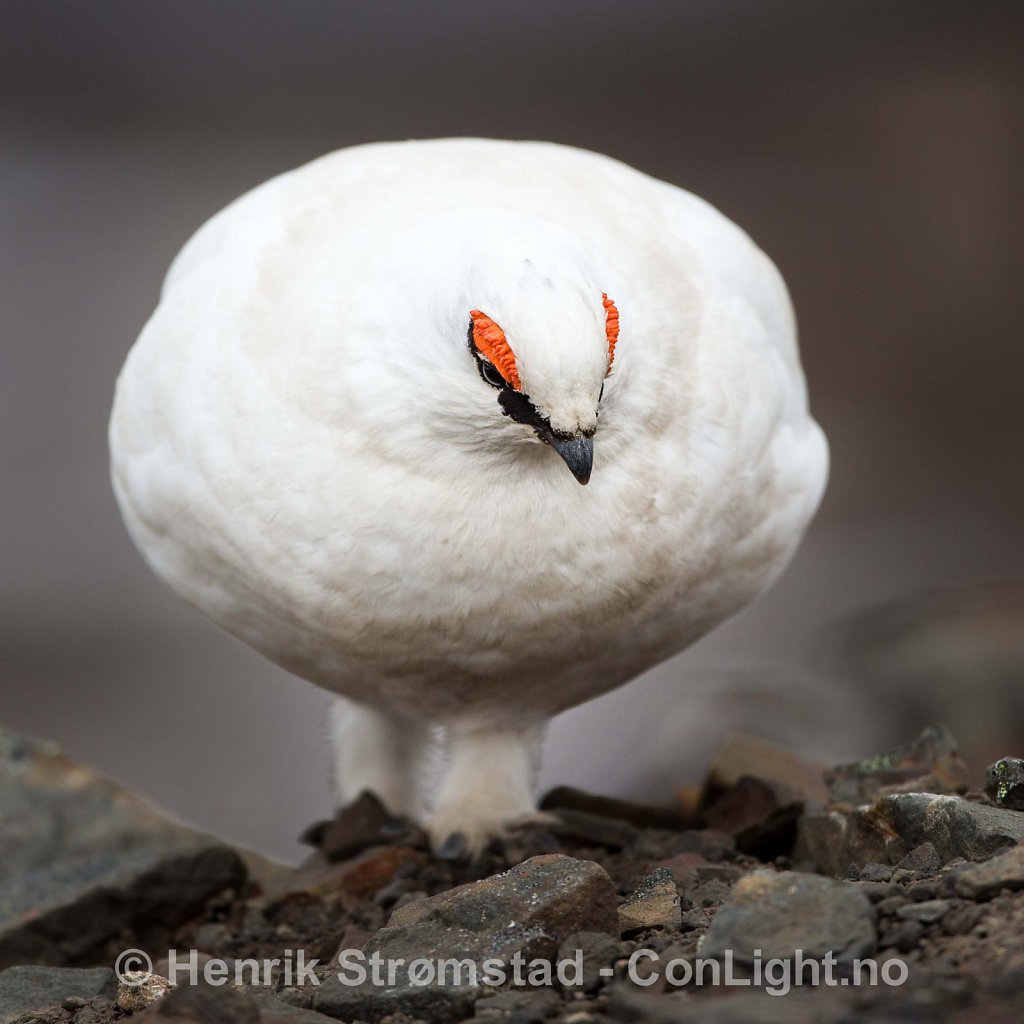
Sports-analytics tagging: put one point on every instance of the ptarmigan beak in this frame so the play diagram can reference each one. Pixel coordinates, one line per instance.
(577, 453)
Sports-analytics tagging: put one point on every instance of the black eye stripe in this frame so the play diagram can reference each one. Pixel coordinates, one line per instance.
(490, 373)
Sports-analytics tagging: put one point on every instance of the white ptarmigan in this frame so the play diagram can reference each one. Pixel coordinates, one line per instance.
(345, 432)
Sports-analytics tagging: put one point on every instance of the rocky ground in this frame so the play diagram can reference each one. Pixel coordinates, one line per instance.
(888, 865)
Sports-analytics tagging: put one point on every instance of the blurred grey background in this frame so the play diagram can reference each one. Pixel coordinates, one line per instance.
(874, 149)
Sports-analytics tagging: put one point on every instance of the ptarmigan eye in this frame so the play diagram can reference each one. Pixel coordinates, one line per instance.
(489, 372)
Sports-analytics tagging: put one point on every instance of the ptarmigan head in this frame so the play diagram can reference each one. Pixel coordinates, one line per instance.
(557, 398)
(486, 333)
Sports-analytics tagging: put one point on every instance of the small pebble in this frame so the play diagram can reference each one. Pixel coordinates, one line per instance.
(927, 912)
(139, 989)
(875, 873)
(904, 936)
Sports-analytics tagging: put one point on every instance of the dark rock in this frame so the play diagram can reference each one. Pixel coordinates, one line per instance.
(961, 919)
(923, 859)
(35, 988)
(759, 814)
(363, 823)
(695, 919)
(931, 763)
(683, 868)
(224, 1004)
(273, 1010)
(203, 1004)
(954, 826)
(875, 873)
(85, 915)
(902, 936)
(524, 842)
(876, 891)
(921, 892)
(779, 913)
(367, 1002)
(363, 875)
(554, 894)
(798, 1007)
(897, 824)
(892, 904)
(566, 798)
(597, 951)
(988, 879)
(707, 885)
(583, 829)
(654, 904)
(833, 840)
(518, 1006)
(709, 844)
(529, 909)
(1004, 783)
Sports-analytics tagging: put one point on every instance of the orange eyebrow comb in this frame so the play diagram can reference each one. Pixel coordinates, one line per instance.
(491, 342)
(611, 326)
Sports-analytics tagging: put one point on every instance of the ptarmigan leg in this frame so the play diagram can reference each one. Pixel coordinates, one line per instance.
(378, 752)
(487, 786)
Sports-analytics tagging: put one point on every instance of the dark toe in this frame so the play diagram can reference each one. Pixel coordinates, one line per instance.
(454, 847)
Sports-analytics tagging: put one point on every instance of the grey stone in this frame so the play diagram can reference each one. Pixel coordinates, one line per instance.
(955, 827)
(52, 809)
(1004, 782)
(274, 1010)
(206, 1004)
(931, 763)
(988, 879)
(962, 918)
(528, 910)
(921, 892)
(87, 912)
(367, 1002)
(780, 913)
(923, 859)
(903, 936)
(654, 904)
(598, 951)
(518, 1004)
(35, 988)
(875, 873)
(927, 912)
(876, 891)
(833, 840)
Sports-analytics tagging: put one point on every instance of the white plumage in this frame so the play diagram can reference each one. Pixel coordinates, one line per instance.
(304, 446)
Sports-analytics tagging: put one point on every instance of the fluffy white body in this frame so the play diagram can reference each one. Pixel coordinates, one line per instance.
(303, 446)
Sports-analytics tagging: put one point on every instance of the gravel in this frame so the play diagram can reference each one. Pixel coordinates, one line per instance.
(756, 862)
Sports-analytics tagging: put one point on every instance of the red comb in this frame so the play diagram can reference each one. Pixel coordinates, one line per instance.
(491, 342)
(611, 326)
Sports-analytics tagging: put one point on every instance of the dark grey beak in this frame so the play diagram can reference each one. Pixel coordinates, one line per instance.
(577, 453)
